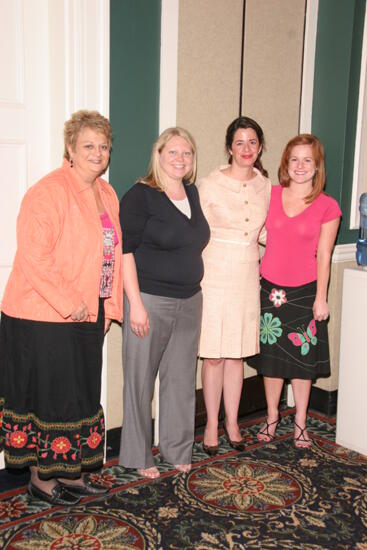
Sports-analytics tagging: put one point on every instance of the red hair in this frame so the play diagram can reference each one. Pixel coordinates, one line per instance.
(318, 182)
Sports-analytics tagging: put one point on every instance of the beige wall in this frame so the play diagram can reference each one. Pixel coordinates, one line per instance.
(114, 377)
(209, 69)
(209, 59)
(113, 411)
(335, 304)
(209, 63)
(272, 72)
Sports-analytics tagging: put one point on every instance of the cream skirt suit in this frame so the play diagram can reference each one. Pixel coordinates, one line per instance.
(236, 213)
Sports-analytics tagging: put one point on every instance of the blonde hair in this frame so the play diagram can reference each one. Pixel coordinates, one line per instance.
(318, 182)
(85, 119)
(153, 177)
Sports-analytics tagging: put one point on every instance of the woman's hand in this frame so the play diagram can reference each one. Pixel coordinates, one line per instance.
(320, 310)
(80, 313)
(139, 320)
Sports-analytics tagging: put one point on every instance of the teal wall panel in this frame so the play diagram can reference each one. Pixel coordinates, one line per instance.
(134, 87)
(336, 89)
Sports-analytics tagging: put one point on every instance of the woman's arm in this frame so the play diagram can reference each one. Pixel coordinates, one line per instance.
(133, 218)
(139, 319)
(263, 232)
(324, 251)
(39, 226)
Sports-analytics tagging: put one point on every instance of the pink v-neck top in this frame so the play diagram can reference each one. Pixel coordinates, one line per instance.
(291, 244)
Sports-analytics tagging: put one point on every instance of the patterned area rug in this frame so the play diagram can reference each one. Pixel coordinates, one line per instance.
(270, 496)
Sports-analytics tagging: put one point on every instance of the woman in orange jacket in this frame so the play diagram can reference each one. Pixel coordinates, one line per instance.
(64, 290)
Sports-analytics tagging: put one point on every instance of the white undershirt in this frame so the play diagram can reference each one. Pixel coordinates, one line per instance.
(184, 206)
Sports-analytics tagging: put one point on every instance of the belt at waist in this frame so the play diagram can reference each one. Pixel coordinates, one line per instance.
(233, 241)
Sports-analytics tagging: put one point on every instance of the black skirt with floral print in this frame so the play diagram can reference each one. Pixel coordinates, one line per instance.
(292, 343)
(50, 382)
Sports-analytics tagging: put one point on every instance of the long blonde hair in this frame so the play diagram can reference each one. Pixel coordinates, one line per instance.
(154, 176)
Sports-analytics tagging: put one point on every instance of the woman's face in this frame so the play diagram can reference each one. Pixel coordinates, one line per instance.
(176, 159)
(301, 164)
(245, 147)
(91, 154)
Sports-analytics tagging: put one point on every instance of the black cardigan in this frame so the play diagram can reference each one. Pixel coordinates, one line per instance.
(167, 245)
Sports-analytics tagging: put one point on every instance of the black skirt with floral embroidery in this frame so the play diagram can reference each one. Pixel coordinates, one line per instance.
(292, 343)
(50, 382)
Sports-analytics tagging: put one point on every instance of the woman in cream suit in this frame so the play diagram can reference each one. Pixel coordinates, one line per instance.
(234, 199)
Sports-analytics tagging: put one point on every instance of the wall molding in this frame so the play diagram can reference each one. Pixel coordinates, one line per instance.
(308, 69)
(344, 253)
(359, 185)
(86, 60)
(167, 107)
(169, 64)
(15, 27)
(86, 38)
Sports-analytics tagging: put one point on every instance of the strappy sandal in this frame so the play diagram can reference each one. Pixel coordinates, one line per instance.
(265, 431)
(298, 441)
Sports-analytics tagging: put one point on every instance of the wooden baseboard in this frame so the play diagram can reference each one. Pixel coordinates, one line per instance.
(113, 442)
(252, 400)
(323, 401)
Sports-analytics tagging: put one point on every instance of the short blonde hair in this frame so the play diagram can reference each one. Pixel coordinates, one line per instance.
(318, 182)
(154, 175)
(85, 119)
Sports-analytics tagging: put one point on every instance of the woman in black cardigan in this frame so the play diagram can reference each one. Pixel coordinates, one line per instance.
(164, 232)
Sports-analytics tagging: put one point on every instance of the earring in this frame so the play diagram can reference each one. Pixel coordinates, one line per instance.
(71, 163)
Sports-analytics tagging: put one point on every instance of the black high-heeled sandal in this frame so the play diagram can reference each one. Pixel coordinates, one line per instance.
(301, 438)
(265, 431)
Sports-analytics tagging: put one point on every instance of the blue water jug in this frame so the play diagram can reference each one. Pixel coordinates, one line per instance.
(362, 236)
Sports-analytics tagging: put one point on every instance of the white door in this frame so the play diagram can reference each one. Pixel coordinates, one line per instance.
(54, 60)
(24, 112)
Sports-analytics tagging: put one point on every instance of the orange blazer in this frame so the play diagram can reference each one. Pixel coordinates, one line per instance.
(58, 261)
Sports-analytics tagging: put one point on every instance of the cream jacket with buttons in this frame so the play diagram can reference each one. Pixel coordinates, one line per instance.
(236, 213)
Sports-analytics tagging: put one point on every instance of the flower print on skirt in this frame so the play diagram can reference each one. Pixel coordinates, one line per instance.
(292, 343)
(50, 408)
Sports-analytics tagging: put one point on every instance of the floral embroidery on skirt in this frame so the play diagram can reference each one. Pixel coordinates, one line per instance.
(292, 343)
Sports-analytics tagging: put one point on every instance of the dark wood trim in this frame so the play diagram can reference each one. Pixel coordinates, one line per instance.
(252, 400)
(323, 401)
(113, 442)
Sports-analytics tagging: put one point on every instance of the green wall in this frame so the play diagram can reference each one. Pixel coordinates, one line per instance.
(336, 89)
(135, 30)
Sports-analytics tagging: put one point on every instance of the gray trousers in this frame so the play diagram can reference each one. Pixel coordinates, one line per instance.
(171, 349)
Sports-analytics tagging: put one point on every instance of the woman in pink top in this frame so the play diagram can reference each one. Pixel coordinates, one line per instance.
(301, 225)
(64, 289)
